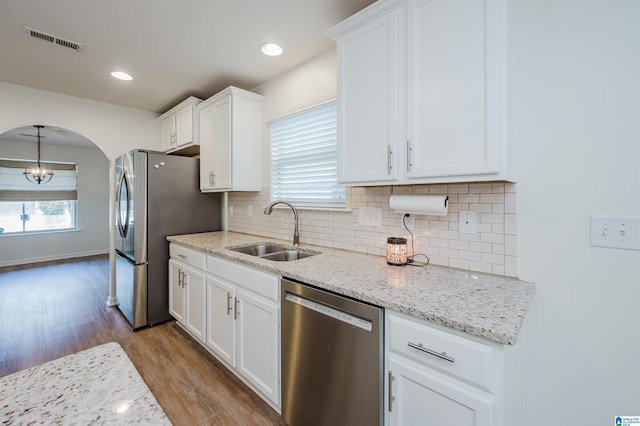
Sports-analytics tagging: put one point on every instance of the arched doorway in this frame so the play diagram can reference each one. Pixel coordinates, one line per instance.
(50, 228)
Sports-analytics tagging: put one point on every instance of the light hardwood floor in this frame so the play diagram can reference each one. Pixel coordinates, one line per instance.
(58, 308)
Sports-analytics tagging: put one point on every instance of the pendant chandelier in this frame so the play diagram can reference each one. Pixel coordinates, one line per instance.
(36, 172)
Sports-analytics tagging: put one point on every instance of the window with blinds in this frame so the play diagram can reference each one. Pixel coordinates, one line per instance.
(304, 159)
(28, 207)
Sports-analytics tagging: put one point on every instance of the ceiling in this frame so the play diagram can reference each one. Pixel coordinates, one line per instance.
(172, 48)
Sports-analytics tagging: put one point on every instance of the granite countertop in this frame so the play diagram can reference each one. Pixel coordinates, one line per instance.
(489, 306)
(97, 386)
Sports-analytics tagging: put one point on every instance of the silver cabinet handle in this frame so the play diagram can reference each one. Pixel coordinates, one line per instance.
(391, 397)
(409, 156)
(235, 311)
(229, 308)
(419, 347)
(181, 278)
(210, 178)
(389, 166)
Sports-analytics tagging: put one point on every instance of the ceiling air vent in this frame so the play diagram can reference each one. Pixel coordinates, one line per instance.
(49, 38)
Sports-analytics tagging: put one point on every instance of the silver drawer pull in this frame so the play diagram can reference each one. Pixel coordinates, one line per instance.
(182, 256)
(419, 347)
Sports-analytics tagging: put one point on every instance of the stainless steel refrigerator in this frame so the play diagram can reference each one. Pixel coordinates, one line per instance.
(156, 195)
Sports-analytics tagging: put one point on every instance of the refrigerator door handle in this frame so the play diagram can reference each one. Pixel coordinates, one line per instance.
(123, 185)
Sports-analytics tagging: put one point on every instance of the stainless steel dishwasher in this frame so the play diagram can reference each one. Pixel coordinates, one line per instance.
(332, 358)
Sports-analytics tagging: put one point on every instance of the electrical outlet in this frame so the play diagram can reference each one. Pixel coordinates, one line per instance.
(410, 221)
(231, 210)
(615, 232)
(370, 216)
(249, 209)
(467, 222)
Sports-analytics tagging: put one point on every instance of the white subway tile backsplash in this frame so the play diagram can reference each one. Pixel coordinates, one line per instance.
(480, 188)
(491, 198)
(480, 267)
(492, 249)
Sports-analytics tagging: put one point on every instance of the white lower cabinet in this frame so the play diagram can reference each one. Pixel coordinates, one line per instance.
(176, 290)
(187, 290)
(221, 312)
(422, 396)
(243, 323)
(437, 375)
(258, 343)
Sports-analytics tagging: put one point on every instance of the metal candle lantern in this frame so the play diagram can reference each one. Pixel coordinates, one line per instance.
(396, 251)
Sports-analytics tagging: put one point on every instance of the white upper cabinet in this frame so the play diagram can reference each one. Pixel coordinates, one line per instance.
(230, 134)
(368, 101)
(422, 92)
(178, 126)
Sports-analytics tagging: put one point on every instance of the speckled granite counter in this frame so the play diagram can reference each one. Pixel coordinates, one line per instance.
(96, 386)
(488, 306)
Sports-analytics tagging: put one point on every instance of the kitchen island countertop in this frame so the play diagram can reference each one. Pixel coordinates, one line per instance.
(489, 306)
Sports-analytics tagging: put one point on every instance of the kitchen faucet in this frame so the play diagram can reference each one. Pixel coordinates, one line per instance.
(269, 209)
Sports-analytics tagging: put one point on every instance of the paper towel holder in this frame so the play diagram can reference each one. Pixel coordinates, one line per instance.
(435, 205)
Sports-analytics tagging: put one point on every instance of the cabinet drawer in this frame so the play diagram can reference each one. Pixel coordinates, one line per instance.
(463, 358)
(188, 256)
(257, 282)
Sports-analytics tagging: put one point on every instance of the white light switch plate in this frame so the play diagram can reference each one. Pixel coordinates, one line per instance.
(615, 232)
(249, 209)
(467, 222)
(370, 216)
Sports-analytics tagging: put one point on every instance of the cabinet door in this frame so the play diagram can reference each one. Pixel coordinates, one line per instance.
(168, 128)
(196, 303)
(215, 145)
(368, 102)
(222, 140)
(454, 79)
(422, 396)
(207, 153)
(184, 125)
(221, 327)
(176, 290)
(259, 343)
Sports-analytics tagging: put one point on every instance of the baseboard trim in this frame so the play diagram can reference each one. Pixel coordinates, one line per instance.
(51, 260)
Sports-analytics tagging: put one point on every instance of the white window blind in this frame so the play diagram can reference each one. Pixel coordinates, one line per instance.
(304, 158)
(14, 186)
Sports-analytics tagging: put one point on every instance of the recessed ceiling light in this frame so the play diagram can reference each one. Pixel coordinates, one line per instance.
(121, 75)
(271, 49)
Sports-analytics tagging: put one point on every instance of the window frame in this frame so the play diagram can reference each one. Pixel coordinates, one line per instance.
(14, 193)
(299, 204)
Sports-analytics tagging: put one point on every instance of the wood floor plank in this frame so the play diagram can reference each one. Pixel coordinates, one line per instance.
(59, 308)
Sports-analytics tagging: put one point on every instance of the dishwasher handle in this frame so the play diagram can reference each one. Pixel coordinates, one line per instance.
(329, 311)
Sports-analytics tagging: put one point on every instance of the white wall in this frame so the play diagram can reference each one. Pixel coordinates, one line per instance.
(92, 236)
(578, 142)
(310, 84)
(114, 129)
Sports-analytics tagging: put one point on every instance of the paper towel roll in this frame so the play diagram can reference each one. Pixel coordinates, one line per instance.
(434, 205)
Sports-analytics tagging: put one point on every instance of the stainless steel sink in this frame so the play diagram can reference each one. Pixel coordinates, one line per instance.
(259, 249)
(272, 251)
(286, 255)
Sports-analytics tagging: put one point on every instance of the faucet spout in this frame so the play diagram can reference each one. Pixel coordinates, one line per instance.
(269, 209)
